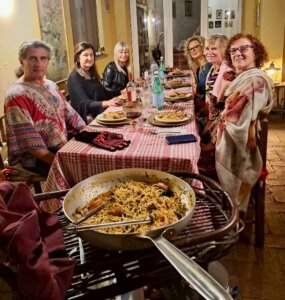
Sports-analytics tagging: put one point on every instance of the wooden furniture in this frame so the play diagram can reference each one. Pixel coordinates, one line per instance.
(280, 98)
(258, 191)
(16, 174)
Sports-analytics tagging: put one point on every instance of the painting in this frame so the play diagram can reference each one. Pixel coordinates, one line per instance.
(209, 12)
(219, 14)
(218, 24)
(233, 14)
(53, 33)
(211, 24)
(188, 8)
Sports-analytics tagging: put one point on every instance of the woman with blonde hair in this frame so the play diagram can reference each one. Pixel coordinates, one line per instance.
(115, 76)
(199, 67)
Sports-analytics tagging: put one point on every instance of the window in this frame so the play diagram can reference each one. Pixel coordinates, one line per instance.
(84, 23)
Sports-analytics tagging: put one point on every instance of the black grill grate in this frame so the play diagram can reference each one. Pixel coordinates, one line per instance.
(211, 232)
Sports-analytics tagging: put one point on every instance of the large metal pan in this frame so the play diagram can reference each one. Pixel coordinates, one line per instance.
(80, 194)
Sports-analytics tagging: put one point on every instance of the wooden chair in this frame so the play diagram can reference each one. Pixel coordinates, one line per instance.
(258, 192)
(255, 214)
(19, 174)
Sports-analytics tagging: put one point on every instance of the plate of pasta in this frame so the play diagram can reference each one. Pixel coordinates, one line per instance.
(174, 116)
(112, 116)
(177, 96)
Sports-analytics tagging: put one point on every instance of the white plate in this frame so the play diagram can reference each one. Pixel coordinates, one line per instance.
(102, 117)
(171, 120)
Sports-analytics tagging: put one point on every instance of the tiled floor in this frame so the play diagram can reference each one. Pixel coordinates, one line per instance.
(260, 273)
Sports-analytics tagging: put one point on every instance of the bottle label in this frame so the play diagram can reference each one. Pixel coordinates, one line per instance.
(131, 95)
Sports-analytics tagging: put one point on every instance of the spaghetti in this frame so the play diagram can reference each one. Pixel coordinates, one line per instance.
(134, 200)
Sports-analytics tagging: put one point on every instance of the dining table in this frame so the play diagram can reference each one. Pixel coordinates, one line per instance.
(148, 148)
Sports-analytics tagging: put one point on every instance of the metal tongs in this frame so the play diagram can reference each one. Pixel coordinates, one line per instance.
(73, 228)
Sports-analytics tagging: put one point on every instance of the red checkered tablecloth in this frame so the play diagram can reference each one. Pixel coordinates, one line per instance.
(77, 161)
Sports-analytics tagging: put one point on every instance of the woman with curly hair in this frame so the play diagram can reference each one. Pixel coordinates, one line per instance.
(238, 160)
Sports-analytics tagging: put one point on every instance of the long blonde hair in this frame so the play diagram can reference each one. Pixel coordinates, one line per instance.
(118, 47)
(192, 63)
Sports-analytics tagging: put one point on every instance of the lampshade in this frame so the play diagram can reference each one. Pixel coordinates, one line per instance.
(271, 69)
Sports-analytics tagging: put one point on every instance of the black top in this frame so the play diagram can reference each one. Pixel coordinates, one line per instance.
(113, 80)
(86, 95)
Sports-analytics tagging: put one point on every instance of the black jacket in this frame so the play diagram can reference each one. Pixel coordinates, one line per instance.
(86, 96)
(113, 80)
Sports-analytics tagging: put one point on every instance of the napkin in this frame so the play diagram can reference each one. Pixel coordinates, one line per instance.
(103, 139)
(34, 245)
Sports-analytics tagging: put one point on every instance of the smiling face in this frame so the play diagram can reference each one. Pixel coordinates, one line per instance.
(123, 56)
(86, 59)
(214, 53)
(195, 49)
(242, 55)
(35, 64)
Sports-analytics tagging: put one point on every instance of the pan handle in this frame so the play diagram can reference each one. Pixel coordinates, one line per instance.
(197, 277)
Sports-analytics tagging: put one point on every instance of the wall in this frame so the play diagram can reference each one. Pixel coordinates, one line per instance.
(217, 9)
(15, 28)
(270, 31)
(190, 24)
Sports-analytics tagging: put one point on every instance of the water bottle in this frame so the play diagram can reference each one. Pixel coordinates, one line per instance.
(153, 68)
(161, 68)
(157, 92)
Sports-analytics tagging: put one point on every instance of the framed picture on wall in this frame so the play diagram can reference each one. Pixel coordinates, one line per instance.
(211, 24)
(233, 14)
(230, 23)
(188, 8)
(218, 24)
(227, 14)
(219, 14)
(226, 23)
(209, 12)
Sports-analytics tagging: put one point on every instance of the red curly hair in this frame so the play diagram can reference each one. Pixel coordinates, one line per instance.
(261, 54)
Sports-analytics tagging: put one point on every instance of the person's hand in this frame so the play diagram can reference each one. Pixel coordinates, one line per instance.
(229, 75)
(113, 102)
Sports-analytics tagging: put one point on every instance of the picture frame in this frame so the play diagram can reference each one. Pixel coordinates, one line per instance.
(209, 12)
(232, 14)
(219, 14)
(227, 14)
(106, 6)
(230, 23)
(226, 23)
(211, 24)
(188, 8)
(218, 24)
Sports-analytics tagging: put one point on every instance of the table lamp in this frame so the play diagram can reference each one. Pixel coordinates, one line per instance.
(271, 70)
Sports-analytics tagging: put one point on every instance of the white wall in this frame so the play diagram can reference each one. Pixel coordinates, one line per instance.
(223, 5)
(20, 25)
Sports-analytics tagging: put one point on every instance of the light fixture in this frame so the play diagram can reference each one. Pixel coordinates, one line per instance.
(271, 70)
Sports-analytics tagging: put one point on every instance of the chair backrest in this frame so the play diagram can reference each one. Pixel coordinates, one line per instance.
(3, 140)
(2, 130)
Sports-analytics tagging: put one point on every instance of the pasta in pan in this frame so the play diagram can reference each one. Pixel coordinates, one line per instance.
(135, 200)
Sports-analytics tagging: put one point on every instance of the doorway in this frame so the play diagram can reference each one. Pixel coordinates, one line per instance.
(166, 24)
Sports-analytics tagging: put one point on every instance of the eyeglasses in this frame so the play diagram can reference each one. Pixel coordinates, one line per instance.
(241, 49)
(194, 48)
